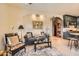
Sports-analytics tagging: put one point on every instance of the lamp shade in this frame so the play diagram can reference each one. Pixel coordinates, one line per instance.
(21, 27)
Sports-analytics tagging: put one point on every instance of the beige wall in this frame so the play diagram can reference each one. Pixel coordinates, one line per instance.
(12, 15)
(3, 23)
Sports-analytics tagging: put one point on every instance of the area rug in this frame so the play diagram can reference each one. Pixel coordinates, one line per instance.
(40, 52)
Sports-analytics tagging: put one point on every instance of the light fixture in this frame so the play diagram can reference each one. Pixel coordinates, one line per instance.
(30, 3)
(37, 17)
(41, 17)
(33, 17)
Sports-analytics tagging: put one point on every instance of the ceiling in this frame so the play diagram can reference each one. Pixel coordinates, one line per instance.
(51, 8)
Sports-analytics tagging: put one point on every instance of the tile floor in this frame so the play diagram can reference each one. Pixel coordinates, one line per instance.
(62, 45)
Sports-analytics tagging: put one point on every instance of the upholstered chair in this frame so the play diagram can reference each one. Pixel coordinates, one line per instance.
(13, 44)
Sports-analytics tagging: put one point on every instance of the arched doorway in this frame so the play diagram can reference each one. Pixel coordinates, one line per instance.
(57, 26)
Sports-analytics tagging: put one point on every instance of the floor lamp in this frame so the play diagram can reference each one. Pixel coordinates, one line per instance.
(21, 28)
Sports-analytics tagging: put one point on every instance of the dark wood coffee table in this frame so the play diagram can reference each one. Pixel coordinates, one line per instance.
(37, 42)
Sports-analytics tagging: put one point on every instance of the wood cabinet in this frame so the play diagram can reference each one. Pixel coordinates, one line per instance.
(69, 20)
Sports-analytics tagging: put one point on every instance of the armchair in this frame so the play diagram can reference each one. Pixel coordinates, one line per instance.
(13, 44)
(29, 38)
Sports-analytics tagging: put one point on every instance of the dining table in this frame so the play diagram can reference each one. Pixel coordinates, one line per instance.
(74, 33)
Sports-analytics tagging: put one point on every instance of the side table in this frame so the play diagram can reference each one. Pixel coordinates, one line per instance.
(2, 53)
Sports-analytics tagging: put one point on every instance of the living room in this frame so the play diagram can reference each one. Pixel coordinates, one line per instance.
(36, 18)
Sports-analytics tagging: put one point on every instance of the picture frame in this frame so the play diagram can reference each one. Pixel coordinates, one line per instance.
(37, 24)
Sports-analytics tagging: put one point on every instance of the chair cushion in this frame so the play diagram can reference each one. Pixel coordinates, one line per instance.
(14, 40)
(9, 41)
(29, 35)
(17, 46)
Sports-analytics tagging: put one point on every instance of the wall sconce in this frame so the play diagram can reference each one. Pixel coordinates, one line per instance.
(37, 17)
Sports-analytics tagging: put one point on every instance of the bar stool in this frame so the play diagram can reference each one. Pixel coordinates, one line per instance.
(73, 41)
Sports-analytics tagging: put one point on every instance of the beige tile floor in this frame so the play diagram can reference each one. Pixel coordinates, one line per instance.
(62, 46)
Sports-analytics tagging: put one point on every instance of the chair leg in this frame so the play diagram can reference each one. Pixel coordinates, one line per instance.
(68, 42)
(9, 53)
(6, 53)
(25, 49)
(70, 45)
(50, 45)
(35, 47)
(76, 43)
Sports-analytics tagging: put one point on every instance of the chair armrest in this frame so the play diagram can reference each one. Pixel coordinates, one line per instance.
(7, 45)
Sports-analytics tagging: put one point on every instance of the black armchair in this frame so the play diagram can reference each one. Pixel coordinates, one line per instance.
(13, 45)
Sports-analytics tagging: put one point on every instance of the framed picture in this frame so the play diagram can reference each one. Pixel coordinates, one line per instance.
(37, 24)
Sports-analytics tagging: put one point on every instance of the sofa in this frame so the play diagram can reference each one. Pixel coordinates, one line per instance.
(30, 39)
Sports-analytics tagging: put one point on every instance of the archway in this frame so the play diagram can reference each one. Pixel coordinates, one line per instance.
(57, 26)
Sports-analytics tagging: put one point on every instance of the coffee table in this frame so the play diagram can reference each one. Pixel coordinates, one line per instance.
(38, 41)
